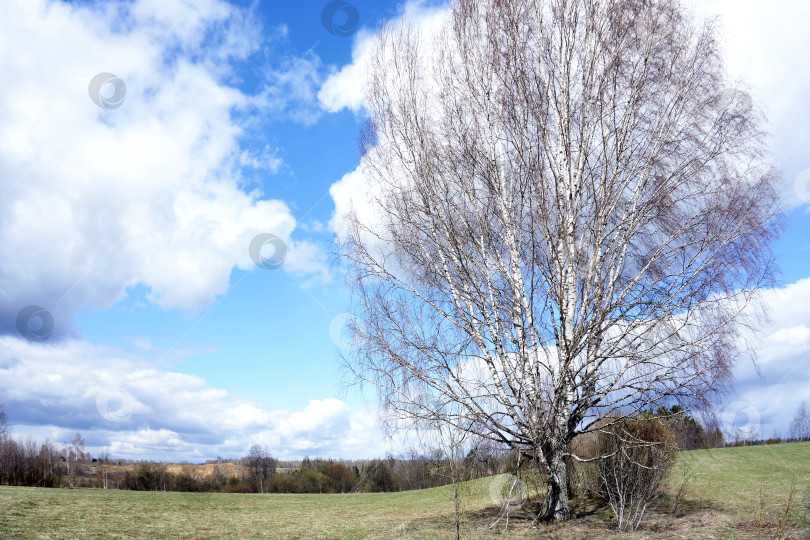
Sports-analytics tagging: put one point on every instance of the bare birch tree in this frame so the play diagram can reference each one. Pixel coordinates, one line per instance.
(800, 426)
(568, 219)
(3, 422)
(103, 468)
(74, 458)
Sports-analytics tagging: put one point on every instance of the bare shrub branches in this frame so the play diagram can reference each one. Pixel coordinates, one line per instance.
(638, 454)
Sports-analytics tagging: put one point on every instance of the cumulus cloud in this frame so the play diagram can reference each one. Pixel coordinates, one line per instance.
(345, 88)
(763, 45)
(351, 193)
(101, 190)
(781, 380)
(121, 401)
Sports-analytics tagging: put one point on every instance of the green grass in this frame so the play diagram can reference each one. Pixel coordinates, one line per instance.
(64, 513)
(726, 481)
(738, 479)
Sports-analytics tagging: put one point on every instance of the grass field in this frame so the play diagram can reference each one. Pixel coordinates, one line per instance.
(733, 478)
(722, 500)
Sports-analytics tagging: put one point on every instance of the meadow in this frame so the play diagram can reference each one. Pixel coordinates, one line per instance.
(726, 493)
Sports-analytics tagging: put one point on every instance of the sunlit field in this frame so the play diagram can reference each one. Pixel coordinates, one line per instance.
(742, 479)
(723, 497)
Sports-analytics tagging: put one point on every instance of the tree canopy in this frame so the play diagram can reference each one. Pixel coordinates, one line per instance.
(568, 217)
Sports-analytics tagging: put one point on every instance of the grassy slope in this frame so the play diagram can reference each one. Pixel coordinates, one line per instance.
(729, 479)
(61, 513)
(735, 478)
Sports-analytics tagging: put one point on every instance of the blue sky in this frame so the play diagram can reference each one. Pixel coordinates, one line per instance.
(131, 224)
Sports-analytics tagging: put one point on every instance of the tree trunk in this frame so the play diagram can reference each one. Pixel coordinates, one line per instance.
(556, 505)
(457, 506)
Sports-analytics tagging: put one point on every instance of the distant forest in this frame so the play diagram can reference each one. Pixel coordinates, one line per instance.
(28, 463)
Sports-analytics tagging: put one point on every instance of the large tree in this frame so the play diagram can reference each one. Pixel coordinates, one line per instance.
(568, 217)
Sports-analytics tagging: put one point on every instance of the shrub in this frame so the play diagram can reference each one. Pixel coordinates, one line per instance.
(283, 483)
(638, 454)
(341, 478)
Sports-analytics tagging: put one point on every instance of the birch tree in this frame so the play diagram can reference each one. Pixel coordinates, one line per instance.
(103, 468)
(568, 216)
(800, 426)
(74, 457)
(3, 422)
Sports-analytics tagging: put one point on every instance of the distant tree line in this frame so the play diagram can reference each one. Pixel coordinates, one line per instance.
(28, 463)
(25, 463)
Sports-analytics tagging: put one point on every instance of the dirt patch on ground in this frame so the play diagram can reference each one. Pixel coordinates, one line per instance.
(593, 520)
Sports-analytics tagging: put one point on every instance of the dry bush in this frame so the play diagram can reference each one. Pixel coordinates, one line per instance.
(638, 455)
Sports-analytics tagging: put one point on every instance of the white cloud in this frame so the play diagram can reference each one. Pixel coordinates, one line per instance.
(345, 88)
(96, 200)
(785, 343)
(291, 92)
(319, 416)
(764, 45)
(351, 193)
(267, 159)
(121, 401)
(781, 380)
